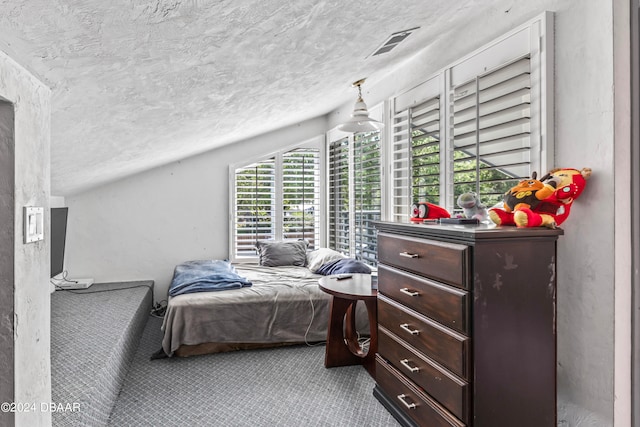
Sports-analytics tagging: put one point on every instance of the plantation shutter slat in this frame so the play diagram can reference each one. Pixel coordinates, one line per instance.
(426, 116)
(516, 69)
(520, 98)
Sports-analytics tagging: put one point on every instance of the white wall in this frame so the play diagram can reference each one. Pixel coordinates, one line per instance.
(586, 254)
(624, 241)
(32, 319)
(141, 227)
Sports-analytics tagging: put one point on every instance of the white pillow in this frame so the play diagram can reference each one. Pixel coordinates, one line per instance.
(315, 259)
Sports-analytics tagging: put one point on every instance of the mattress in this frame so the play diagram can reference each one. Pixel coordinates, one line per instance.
(284, 305)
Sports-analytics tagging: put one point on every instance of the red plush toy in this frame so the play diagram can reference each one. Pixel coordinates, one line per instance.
(425, 210)
(559, 189)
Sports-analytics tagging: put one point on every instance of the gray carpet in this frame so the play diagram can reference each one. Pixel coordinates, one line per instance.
(287, 386)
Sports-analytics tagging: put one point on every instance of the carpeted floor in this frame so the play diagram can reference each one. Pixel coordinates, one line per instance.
(286, 386)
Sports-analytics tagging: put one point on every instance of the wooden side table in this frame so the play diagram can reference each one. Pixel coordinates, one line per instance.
(344, 349)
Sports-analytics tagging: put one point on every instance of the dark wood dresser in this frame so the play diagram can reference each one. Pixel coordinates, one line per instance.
(467, 325)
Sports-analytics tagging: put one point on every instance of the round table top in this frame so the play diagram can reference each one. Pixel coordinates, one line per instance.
(348, 286)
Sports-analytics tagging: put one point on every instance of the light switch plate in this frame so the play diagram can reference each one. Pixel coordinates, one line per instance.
(33, 224)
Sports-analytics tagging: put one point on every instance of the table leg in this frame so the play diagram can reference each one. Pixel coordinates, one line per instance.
(337, 351)
(369, 360)
(343, 348)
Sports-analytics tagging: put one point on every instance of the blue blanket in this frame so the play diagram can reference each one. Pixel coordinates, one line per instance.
(205, 276)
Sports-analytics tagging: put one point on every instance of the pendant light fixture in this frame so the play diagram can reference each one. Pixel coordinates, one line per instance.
(360, 120)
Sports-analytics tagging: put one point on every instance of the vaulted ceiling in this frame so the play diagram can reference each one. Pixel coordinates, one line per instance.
(140, 83)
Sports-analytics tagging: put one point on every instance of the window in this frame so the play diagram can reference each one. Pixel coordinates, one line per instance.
(355, 199)
(480, 125)
(276, 198)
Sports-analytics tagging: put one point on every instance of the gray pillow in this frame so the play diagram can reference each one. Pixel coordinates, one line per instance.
(276, 254)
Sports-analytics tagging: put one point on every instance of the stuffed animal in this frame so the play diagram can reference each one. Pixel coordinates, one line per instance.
(563, 187)
(527, 194)
(472, 207)
(425, 210)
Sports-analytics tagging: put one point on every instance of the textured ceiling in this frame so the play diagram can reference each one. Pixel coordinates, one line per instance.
(140, 83)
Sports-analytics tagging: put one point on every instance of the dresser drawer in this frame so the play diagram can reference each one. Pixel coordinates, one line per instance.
(441, 344)
(443, 303)
(423, 410)
(449, 390)
(446, 262)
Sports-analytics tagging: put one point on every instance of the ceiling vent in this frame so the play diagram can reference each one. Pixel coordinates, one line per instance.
(392, 41)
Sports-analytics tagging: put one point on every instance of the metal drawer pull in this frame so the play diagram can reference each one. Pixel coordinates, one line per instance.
(408, 292)
(405, 326)
(401, 398)
(405, 363)
(408, 255)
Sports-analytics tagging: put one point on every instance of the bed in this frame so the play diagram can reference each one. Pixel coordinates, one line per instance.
(283, 305)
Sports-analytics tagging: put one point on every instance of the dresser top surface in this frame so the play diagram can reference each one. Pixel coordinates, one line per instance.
(467, 232)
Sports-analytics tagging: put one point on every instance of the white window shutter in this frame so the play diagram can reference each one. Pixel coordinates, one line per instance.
(301, 195)
(355, 201)
(401, 166)
(254, 207)
(425, 151)
(339, 238)
(491, 121)
(367, 194)
(276, 198)
(416, 157)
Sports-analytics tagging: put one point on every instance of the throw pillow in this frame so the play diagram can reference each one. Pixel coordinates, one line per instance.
(315, 259)
(276, 253)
